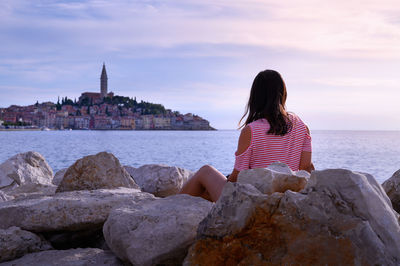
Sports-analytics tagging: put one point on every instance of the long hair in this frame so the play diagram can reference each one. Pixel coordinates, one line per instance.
(267, 100)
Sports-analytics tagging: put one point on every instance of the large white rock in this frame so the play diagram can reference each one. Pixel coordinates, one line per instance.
(29, 191)
(25, 168)
(58, 177)
(160, 180)
(277, 177)
(340, 218)
(159, 232)
(70, 257)
(102, 170)
(225, 220)
(70, 211)
(392, 189)
(15, 243)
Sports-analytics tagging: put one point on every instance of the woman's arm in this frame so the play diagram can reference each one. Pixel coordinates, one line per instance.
(305, 159)
(243, 143)
(305, 162)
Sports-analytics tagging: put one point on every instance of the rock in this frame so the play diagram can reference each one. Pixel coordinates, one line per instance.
(160, 180)
(15, 243)
(159, 232)
(223, 220)
(58, 177)
(102, 170)
(4, 197)
(340, 218)
(68, 211)
(277, 177)
(392, 189)
(30, 191)
(130, 169)
(25, 168)
(70, 257)
(6, 181)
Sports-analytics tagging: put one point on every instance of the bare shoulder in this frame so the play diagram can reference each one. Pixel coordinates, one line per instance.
(244, 140)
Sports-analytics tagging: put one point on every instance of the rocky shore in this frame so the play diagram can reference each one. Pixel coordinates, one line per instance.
(98, 212)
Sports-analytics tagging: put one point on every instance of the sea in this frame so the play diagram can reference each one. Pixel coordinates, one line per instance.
(373, 152)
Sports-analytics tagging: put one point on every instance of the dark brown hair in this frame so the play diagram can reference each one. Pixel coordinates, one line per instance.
(267, 100)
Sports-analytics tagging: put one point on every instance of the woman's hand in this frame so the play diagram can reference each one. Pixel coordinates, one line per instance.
(233, 177)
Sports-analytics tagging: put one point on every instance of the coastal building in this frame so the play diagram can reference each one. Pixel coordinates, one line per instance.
(95, 97)
(148, 122)
(82, 122)
(127, 123)
(100, 110)
(161, 122)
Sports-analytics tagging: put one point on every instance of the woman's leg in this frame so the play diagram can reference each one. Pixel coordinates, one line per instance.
(207, 180)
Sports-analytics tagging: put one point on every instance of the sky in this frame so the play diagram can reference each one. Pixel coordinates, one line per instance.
(340, 59)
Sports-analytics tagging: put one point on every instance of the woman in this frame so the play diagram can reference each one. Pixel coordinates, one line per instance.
(270, 134)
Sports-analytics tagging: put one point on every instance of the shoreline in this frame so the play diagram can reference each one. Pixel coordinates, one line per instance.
(38, 129)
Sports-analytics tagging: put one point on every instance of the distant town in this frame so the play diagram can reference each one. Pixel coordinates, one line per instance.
(99, 111)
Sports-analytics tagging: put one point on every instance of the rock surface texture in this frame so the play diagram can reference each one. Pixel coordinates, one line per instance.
(275, 178)
(130, 169)
(392, 189)
(25, 168)
(58, 177)
(70, 257)
(69, 211)
(340, 218)
(15, 243)
(158, 232)
(29, 191)
(4, 197)
(102, 170)
(160, 180)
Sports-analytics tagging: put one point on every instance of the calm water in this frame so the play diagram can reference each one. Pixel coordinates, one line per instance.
(374, 152)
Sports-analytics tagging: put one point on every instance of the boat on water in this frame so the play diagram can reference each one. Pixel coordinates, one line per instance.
(45, 129)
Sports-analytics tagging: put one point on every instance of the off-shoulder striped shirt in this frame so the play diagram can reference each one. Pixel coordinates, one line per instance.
(267, 148)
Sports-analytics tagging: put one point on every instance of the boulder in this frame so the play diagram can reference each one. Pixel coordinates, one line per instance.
(70, 257)
(4, 197)
(102, 170)
(15, 243)
(392, 189)
(58, 177)
(130, 169)
(68, 211)
(340, 218)
(29, 191)
(277, 177)
(158, 232)
(25, 168)
(161, 180)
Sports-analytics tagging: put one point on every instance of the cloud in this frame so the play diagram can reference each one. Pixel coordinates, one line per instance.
(340, 28)
(202, 55)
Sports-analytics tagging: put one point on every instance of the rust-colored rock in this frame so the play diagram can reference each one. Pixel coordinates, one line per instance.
(272, 241)
(340, 218)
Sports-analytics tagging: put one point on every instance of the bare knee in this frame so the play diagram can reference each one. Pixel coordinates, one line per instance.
(206, 168)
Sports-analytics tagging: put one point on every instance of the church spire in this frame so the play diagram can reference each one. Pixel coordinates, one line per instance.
(103, 82)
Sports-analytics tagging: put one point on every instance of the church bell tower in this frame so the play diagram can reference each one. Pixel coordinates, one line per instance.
(103, 82)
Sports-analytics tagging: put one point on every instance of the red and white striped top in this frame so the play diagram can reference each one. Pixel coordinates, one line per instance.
(266, 148)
